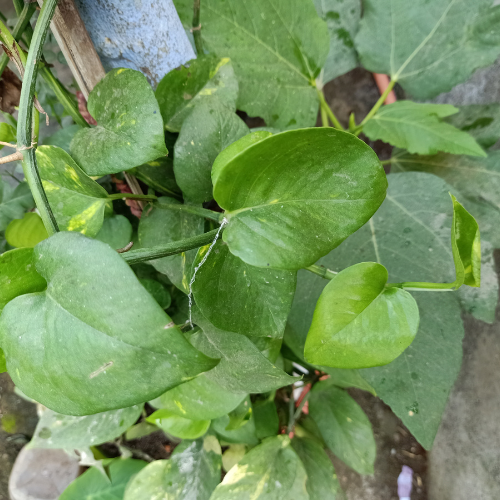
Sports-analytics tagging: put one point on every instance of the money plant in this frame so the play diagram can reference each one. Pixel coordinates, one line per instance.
(261, 272)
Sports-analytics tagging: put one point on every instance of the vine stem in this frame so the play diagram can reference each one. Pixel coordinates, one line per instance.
(423, 286)
(196, 30)
(322, 271)
(326, 109)
(25, 120)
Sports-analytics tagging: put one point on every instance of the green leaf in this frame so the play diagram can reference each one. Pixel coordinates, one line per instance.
(418, 128)
(116, 231)
(348, 378)
(130, 128)
(267, 422)
(158, 291)
(240, 415)
(260, 299)
(451, 39)
(14, 202)
(322, 482)
(116, 355)
(8, 133)
(160, 226)
(63, 431)
(93, 485)
(18, 275)
(3, 364)
(270, 471)
(242, 368)
(26, 232)
(209, 129)
(140, 430)
(200, 80)
(63, 137)
(192, 472)
(158, 174)
(316, 186)
(277, 50)
(78, 202)
(232, 456)
(358, 323)
(342, 18)
(245, 434)
(344, 426)
(180, 427)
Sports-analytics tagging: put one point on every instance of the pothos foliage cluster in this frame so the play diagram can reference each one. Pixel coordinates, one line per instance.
(324, 271)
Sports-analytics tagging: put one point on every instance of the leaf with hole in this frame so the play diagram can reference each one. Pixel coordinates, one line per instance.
(26, 232)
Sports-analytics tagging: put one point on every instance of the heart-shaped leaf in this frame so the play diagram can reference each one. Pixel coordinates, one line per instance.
(179, 427)
(26, 232)
(314, 186)
(14, 202)
(130, 127)
(358, 323)
(123, 348)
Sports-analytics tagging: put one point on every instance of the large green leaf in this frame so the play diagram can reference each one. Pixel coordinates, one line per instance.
(18, 275)
(192, 473)
(159, 175)
(277, 49)
(270, 471)
(160, 226)
(157, 291)
(198, 81)
(123, 348)
(314, 186)
(322, 482)
(180, 427)
(78, 202)
(116, 231)
(259, 298)
(451, 39)
(14, 202)
(94, 485)
(63, 431)
(130, 127)
(344, 426)
(342, 18)
(26, 232)
(418, 128)
(358, 323)
(208, 130)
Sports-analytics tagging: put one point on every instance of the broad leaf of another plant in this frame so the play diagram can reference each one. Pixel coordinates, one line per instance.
(314, 186)
(179, 427)
(192, 473)
(63, 431)
(160, 226)
(123, 348)
(26, 232)
(342, 18)
(451, 39)
(270, 471)
(277, 50)
(358, 323)
(241, 298)
(14, 202)
(208, 130)
(418, 128)
(130, 127)
(344, 426)
(78, 202)
(159, 174)
(94, 485)
(198, 81)
(116, 231)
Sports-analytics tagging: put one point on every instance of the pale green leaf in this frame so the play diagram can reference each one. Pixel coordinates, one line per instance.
(159, 175)
(26, 232)
(233, 455)
(179, 427)
(314, 186)
(14, 202)
(200, 80)
(116, 355)
(3, 365)
(130, 127)
(116, 231)
(344, 426)
(140, 430)
(192, 473)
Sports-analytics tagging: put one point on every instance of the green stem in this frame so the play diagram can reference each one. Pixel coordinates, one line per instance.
(202, 212)
(324, 117)
(322, 271)
(25, 120)
(132, 196)
(327, 110)
(417, 285)
(145, 254)
(198, 42)
(298, 411)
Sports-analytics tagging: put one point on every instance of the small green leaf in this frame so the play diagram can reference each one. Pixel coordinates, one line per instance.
(358, 323)
(116, 355)
(158, 291)
(63, 137)
(314, 186)
(270, 471)
(92, 484)
(160, 226)
(240, 415)
(179, 427)
(130, 128)
(344, 426)
(8, 133)
(260, 298)
(63, 431)
(267, 422)
(26, 232)
(244, 434)
(209, 129)
(418, 128)
(348, 378)
(140, 430)
(116, 231)
(78, 202)
(159, 175)
(18, 275)
(200, 80)
(14, 202)
(192, 472)
(322, 482)
(232, 456)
